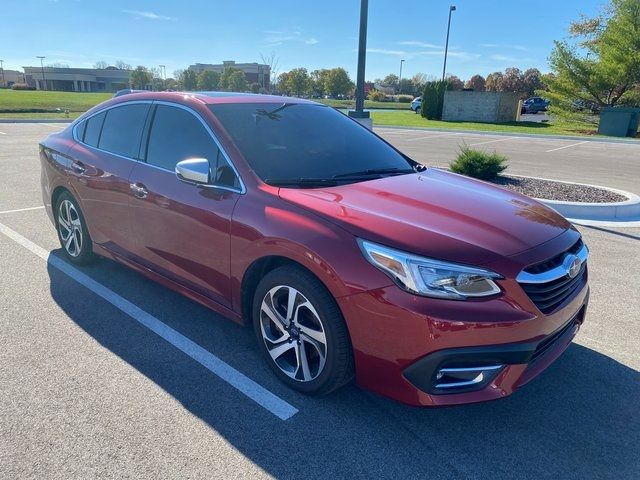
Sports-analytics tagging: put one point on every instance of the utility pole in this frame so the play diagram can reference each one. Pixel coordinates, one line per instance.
(44, 82)
(400, 78)
(2, 71)
(452, 9)
(359, 114)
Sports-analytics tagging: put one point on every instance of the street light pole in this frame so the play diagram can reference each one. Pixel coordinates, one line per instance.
(400, 78)
(452, 9)
(359, 112)
(44, 82)
(2, 71)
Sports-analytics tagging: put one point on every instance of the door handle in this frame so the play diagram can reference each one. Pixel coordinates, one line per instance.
(139, 190)
(78, 167)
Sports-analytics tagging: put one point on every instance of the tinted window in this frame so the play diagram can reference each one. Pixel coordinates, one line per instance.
(177, 135)
(92, 132)
(288, 141)
(122, 129)
(80, 130)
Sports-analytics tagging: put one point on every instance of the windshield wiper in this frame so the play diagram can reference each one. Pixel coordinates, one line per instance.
(303, 182)
(375, 171)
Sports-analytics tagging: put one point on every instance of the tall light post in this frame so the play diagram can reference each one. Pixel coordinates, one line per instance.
(2, 71)
(44, 82)
(400, 78)
(359, 113)
(452, 9)
(162, 74)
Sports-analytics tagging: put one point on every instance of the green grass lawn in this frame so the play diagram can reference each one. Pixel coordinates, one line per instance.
(554, 127)
(17, 100)
(367, 104)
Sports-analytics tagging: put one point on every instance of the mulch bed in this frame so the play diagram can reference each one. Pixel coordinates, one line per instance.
(567, 192)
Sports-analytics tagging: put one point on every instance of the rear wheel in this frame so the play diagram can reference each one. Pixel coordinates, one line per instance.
(72, 230)
(301, 332)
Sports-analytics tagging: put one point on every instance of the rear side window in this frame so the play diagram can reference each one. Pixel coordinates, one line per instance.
(92, 131)
(122, 129)
(177, 135)
(80, 128)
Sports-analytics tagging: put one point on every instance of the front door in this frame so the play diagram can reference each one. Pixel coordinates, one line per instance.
(182, 230)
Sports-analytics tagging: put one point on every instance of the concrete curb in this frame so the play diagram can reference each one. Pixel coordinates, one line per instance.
(36, 120)
(613, 213)
(600, 139)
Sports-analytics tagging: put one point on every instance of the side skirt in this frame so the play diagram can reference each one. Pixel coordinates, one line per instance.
(161, 279)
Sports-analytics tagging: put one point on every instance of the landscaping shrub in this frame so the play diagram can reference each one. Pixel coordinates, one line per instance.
(405, 99)
(478, 164)
(433, 99)
(377, 96)
(21, 86)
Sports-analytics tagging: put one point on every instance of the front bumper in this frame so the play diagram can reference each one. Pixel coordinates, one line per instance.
(402, 341)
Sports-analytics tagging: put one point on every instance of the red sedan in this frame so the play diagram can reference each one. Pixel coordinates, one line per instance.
(348, 258)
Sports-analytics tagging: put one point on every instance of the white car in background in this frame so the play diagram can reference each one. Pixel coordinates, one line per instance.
(416, 104)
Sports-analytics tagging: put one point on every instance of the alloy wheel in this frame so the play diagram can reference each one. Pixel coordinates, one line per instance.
(70, 228)
(293, 333)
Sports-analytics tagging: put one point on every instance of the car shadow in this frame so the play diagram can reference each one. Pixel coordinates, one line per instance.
(577, 420)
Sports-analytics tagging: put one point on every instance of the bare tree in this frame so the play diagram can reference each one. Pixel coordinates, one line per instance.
(273, 62)
(100, 65)
(123, 66)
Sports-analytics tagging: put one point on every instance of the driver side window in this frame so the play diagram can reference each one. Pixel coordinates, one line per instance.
(177, 135)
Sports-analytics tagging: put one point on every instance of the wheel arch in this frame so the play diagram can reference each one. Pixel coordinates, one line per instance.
(257, 271)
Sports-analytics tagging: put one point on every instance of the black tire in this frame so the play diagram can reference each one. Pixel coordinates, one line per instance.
(84, 254)
(417, 110)
(338, 366)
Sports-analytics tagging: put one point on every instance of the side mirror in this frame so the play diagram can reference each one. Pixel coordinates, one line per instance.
(193, 170)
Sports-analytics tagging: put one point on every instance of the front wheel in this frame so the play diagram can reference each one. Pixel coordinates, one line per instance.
(72, 230)
(301, 332)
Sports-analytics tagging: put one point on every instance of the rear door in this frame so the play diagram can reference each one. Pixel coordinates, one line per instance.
(102, 160)
(182, 230)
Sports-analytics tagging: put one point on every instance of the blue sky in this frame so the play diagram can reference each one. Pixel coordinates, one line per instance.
(486, 35)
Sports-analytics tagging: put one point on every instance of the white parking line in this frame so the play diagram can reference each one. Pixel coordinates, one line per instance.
(494, 141)
(53, 125)
(263, 397)
(2, 133)
(22, 209)
(566, 146)
(431, 136)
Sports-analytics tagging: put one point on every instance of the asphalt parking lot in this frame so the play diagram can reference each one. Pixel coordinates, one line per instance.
(106, 374)
(599, 162)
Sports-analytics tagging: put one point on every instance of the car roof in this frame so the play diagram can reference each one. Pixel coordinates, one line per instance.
(212, 97)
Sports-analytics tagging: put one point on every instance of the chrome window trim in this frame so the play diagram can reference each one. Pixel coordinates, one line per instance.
(554, 273)
(242, 190)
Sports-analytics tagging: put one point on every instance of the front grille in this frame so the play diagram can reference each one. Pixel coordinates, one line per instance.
(549, 295)
(554, 261)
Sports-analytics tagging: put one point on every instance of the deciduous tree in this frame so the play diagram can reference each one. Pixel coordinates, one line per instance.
(209, 80)
(494, 82)
(601, 62)
(140, 77)
(477, 83)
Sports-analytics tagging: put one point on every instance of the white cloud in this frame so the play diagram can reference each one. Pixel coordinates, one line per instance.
(274, 38)
(512, 47)
(384, 51)
(416, 43)
(504, 58)
(148, 15)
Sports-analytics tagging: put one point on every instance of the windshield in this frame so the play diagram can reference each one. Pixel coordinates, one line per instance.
(306, 144)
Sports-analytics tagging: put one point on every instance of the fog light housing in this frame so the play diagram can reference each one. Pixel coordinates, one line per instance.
(451, 378)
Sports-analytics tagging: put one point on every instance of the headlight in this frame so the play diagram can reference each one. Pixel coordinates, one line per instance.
(429, 277)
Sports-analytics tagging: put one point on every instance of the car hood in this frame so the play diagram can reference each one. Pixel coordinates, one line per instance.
(436, 214)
